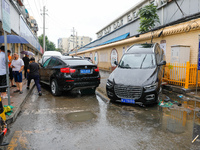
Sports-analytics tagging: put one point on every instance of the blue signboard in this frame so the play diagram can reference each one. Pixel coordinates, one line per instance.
(199, 57)
(6, 16)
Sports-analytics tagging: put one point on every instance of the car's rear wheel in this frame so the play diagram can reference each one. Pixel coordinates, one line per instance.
(54, 88)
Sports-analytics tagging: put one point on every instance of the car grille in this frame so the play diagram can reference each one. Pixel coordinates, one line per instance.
(123, 91)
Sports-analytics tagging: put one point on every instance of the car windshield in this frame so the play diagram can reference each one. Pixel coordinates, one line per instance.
(138, 61)
(48, 56)
(45, 58)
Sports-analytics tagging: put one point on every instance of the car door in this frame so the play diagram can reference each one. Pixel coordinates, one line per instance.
(50, 69)
(43, 70)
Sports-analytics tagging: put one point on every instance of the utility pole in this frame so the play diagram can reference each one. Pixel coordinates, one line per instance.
(73, 30)
(44, 13)
(76, 44)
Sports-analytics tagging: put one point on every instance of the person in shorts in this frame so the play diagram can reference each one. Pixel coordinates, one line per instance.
(17, 66)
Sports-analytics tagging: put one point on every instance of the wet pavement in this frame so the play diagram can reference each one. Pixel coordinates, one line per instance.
(74, 121)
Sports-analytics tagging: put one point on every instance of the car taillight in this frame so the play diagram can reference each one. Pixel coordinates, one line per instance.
(69, 80)
(97, 69)
(67, 70)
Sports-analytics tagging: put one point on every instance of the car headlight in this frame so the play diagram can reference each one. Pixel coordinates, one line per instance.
(109, 83)
(151, 87)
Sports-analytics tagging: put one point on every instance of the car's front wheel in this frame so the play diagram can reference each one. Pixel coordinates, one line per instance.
(54, 88)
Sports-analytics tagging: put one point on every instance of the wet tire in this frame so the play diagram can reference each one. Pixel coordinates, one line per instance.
(54, 88)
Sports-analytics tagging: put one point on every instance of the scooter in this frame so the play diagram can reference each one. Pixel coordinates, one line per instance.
(3, 125)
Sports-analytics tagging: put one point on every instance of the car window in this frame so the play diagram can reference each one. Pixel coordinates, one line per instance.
(46, 62)
(58, 63)
(137, 61)
(52, 62)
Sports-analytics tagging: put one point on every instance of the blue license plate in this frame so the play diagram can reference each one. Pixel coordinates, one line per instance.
(132, 101)
(84, 71)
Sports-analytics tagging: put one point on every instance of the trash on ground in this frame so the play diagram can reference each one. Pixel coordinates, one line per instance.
(8, 109)
(167, 102)
(195, 138)
(181, 96)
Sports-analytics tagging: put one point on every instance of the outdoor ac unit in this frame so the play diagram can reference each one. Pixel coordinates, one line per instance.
(180, 54)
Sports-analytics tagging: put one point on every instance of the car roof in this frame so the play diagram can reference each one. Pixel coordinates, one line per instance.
(52, 53)
(71, 57)
(142, 48)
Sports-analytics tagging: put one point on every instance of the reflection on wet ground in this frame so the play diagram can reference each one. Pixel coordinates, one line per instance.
(75, 121)
(173, 127)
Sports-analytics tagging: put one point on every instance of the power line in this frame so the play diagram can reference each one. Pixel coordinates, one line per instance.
(37, 11)
(40, 5)
(56, 21)
(30, 7)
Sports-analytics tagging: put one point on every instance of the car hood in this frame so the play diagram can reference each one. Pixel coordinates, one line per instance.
(134, 77)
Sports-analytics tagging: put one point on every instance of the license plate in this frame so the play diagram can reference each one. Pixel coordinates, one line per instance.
(132, 101)
(84, 71)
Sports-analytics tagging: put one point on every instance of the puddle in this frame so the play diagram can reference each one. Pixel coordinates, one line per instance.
(81, 116)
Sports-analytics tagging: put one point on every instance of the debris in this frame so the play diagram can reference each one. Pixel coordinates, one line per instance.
(168, 102)
(195, 138)
(165, 104)
(8, 109)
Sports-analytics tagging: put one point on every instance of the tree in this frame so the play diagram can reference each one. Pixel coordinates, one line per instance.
(50, 46)
(148, 18)
(59, 50)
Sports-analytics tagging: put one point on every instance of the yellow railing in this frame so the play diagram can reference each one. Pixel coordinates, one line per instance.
(181, 74)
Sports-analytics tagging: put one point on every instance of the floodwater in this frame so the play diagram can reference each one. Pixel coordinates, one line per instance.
(74, 121)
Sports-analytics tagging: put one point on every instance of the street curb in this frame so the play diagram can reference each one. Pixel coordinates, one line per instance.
(17, 111)
(103, 97)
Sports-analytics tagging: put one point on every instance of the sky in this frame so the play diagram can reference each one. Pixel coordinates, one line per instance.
(86, 16)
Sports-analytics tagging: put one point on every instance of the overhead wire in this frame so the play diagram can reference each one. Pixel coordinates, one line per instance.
(38, 11)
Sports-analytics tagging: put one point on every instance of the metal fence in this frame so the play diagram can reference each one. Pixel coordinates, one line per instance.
(181, 74)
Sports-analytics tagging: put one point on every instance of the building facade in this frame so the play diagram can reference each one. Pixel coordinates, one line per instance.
(72, 43)
(179, 25)
(20, 25)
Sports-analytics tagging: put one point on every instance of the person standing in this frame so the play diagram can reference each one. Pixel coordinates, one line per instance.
(3, 71)
(17, 65)
(10, 58)
(33, 71)
(26, 63)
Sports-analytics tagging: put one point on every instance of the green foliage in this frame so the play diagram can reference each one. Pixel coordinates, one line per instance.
(59, 50)
(148, 18)
(50, 46)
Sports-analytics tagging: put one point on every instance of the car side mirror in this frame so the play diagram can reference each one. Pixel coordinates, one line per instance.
(116, 63)
(163, 62)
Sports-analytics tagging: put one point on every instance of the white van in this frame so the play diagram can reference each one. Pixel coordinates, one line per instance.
(48, 54)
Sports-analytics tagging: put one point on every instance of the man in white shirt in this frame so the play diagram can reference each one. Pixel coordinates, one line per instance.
(17, 66)
(2, 71)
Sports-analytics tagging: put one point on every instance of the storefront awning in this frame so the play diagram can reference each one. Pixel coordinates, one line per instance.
(121, 37)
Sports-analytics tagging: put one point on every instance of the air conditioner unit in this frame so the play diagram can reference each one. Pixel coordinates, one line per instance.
(180, 54)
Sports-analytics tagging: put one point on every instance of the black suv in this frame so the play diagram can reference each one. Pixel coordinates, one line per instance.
(67, 73)
(138, 76)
